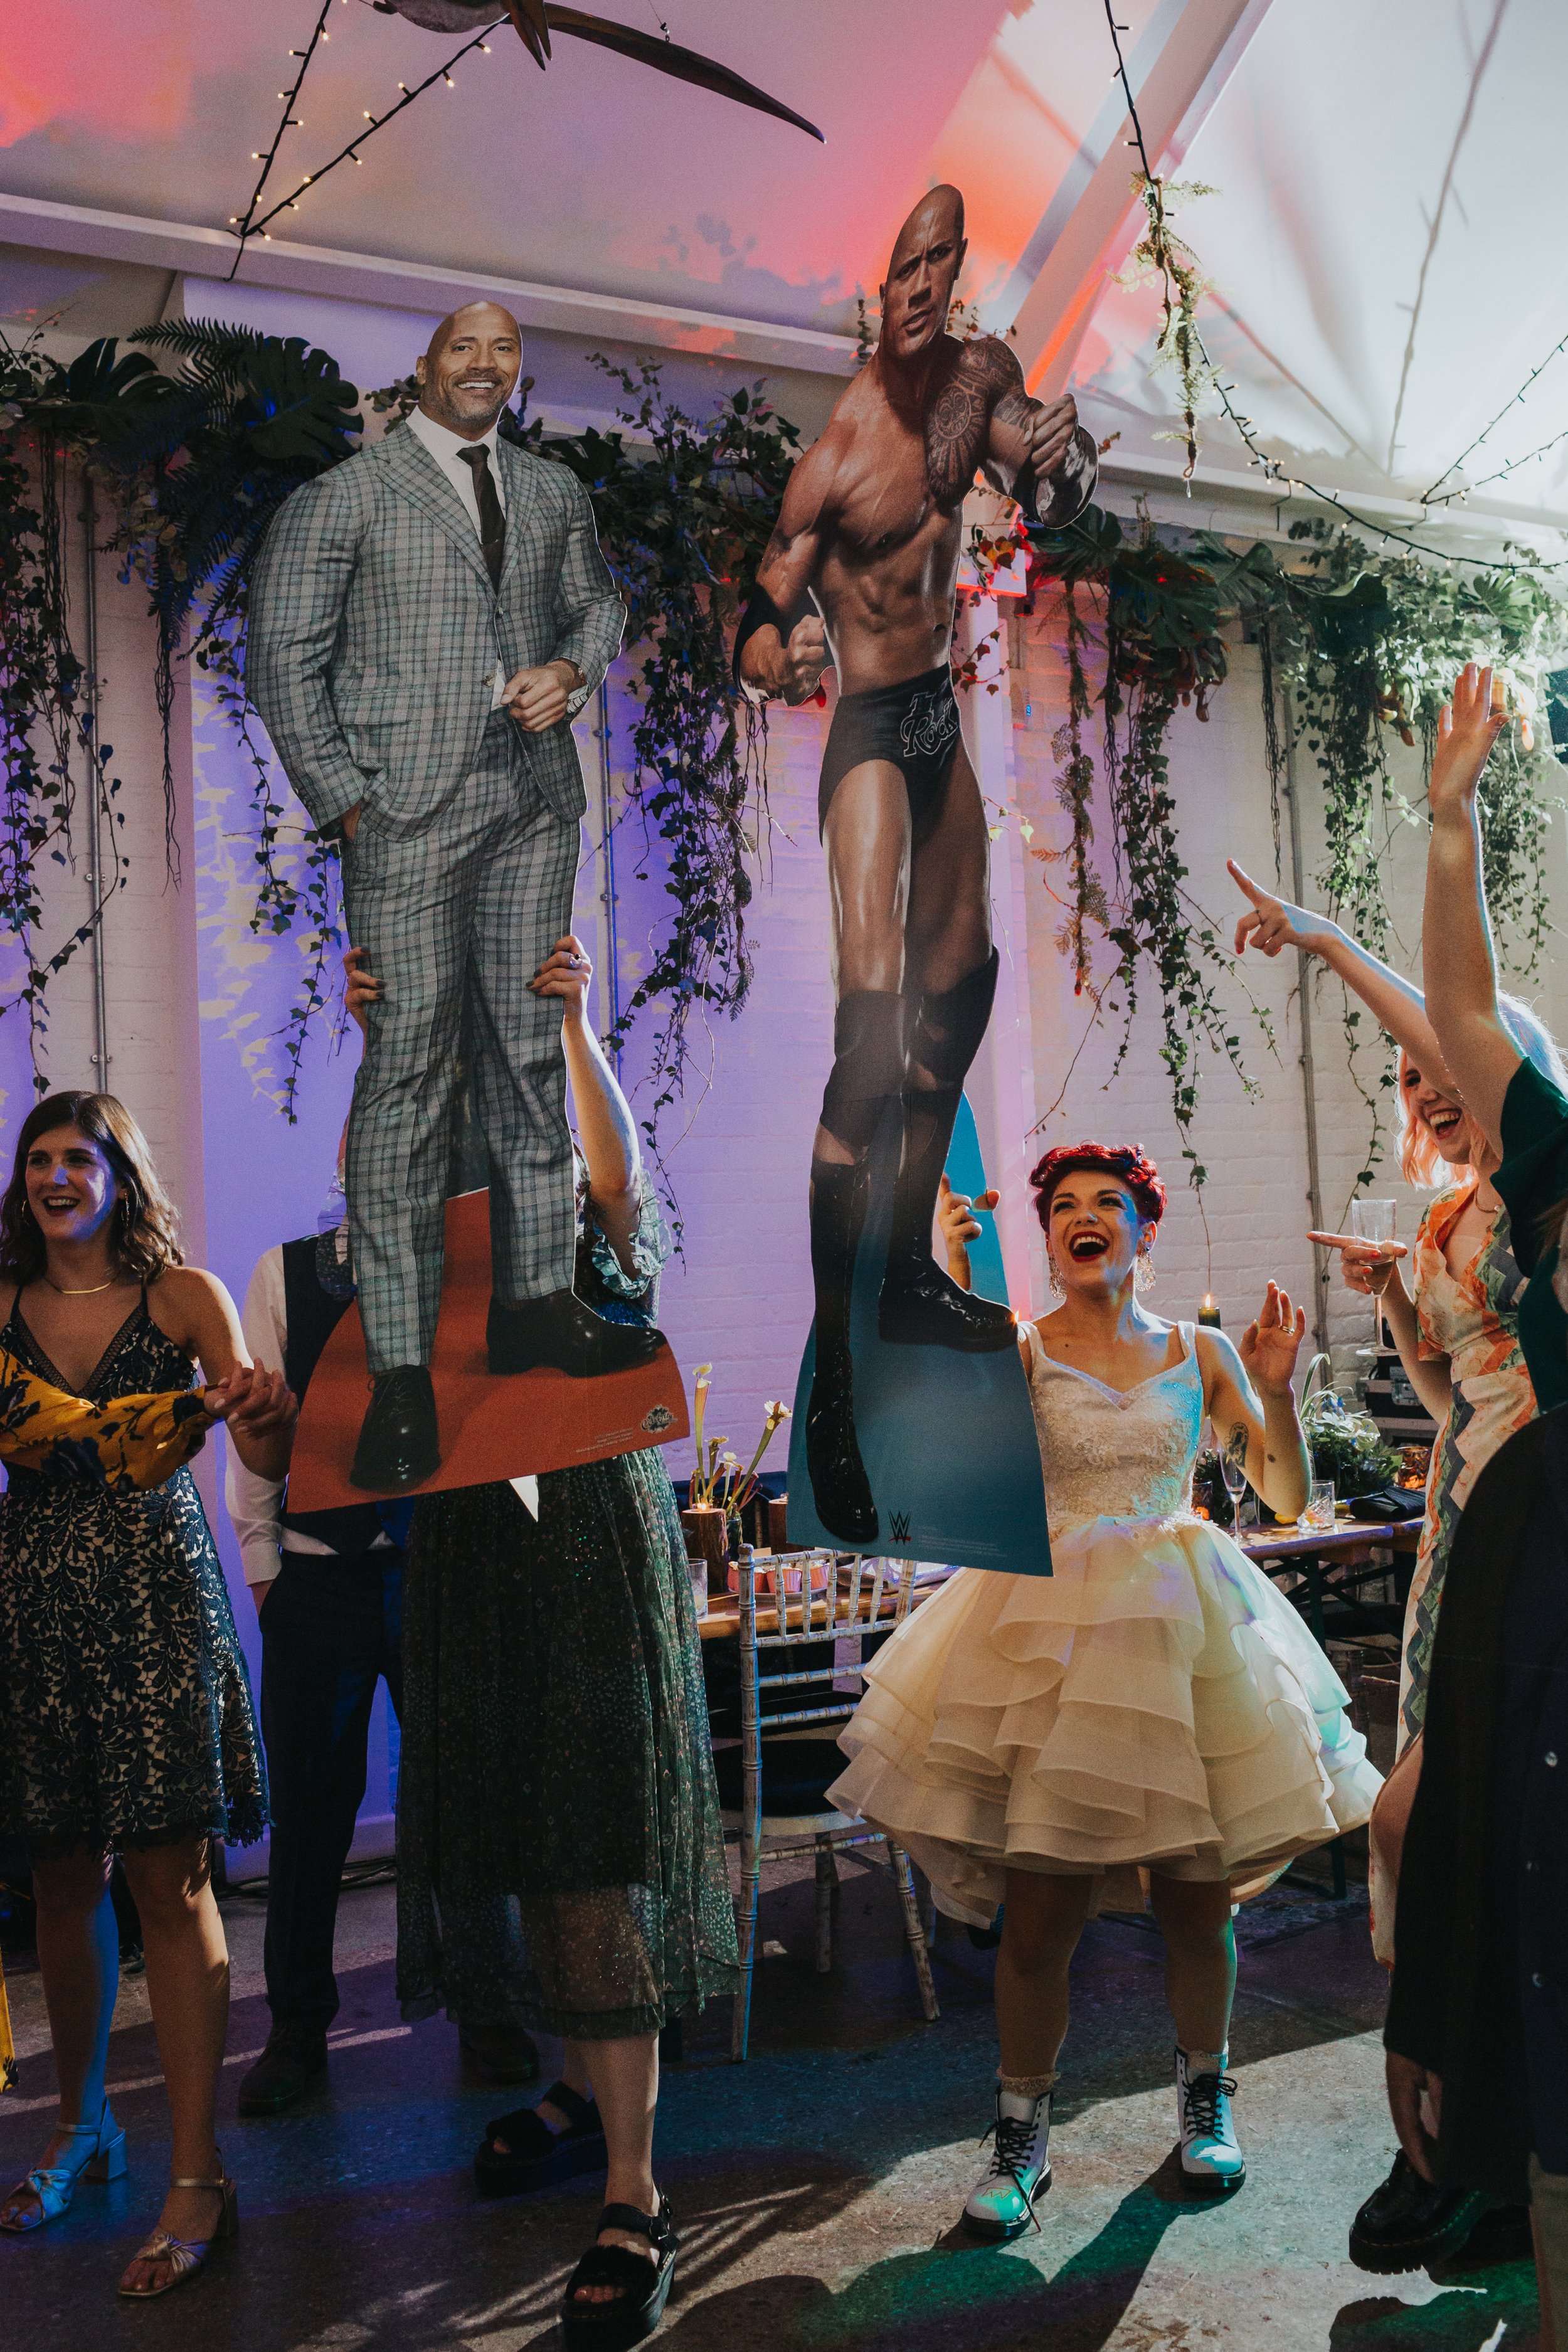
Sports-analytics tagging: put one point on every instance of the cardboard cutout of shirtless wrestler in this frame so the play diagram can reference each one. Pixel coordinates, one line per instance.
(861, 574)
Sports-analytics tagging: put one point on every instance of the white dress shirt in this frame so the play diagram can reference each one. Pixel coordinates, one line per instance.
(256, 1504)
(446, 450)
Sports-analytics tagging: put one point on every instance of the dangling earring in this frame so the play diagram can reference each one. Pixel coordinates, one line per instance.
(1143, 1276)
(1053, 1276)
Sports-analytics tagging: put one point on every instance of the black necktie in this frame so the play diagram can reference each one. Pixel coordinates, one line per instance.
(493, 523)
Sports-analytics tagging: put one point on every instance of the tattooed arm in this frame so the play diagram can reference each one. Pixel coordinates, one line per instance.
(1032, 450)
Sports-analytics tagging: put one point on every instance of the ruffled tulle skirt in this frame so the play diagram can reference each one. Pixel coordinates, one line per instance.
(1154, 1704)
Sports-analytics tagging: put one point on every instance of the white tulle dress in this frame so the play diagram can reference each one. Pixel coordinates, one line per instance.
(1153, 1704)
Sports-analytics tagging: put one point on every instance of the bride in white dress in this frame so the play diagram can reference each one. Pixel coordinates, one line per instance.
(1152, 1721)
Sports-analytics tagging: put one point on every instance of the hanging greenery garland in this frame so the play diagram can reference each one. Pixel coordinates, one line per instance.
(195, 457)
(1356, 645)
(196, 461)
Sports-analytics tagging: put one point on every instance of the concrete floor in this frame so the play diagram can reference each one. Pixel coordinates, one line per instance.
(815, 2188)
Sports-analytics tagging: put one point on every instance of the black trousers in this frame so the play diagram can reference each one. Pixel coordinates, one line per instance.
(330, 1630)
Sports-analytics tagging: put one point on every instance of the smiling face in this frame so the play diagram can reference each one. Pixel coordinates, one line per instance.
(1095, 1232)
(1434, 1111)
(72, 1190)
(469, 371)
(926, 261)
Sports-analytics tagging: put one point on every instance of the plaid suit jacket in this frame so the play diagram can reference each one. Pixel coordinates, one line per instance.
(375, 631)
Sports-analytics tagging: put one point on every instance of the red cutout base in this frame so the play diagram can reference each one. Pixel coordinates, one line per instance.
(491, 1428)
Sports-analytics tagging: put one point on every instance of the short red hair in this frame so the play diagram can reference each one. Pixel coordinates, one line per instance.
(1125, 1162)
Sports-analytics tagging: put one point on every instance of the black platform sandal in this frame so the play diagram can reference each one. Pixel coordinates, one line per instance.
(642, 2288)
(536, 2156)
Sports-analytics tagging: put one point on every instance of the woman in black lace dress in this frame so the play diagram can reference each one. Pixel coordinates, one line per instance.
(561, 1864)
(126, 1717)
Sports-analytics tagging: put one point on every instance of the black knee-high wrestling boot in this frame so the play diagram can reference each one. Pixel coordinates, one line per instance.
(839, 1486)
(867, 1068)
(920, 1303)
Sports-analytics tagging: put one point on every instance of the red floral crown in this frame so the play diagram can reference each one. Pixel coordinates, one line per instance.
(1125, 1162)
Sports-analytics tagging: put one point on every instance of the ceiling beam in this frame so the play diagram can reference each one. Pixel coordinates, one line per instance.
(1188, 52)
(419, 287)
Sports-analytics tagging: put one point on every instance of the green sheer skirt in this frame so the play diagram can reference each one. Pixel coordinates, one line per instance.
(561, 1864)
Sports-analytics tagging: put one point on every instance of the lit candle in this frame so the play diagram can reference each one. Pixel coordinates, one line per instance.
(1208, 1313)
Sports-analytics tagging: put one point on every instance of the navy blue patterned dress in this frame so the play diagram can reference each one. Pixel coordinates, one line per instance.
(125, 1710)
(561, 1863)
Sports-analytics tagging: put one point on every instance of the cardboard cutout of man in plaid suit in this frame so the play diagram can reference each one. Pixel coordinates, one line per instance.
(425, 620)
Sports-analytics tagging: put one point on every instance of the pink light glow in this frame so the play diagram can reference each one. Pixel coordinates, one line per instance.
(121, 70)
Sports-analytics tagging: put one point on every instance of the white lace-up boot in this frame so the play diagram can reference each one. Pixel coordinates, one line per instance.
(1211, 2152)
(1002, 2202)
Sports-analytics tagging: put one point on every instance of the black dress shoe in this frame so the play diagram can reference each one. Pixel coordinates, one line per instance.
(285, 2070)
(562, 1334)
(921, 1307)
(398, 1443)
(840, 1489)
(1409, 2222)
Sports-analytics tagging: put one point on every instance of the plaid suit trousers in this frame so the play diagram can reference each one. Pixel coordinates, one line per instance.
(466, 910)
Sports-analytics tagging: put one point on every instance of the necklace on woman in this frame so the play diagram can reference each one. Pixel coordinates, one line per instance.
(91, 1290)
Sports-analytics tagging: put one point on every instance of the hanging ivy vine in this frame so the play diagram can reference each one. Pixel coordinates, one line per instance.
(196, 450)
(1355, 647)
(1160, 650)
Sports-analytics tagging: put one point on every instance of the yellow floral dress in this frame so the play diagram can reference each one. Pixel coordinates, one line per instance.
(1472, 1318)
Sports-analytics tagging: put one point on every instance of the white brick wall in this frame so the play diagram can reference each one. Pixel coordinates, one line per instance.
(1255, 1149)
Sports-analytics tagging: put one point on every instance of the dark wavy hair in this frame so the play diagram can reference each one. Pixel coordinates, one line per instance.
(144, 1227)
(1125, 1162)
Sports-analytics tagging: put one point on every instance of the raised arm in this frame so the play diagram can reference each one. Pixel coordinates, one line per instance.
(1253, 1405)
(297, 600)
(1397, 1005)
(605, 1128)
(1455, 934)
(782, 649)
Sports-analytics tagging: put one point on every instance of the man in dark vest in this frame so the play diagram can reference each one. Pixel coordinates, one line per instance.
(328, 1588)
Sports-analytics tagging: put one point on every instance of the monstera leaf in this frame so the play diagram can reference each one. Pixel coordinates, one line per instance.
(112, 398)
(286, 401)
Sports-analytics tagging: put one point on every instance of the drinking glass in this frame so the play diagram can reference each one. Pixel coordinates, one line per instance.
(1372, 1221)
(1233, 1470)
(1319, 1510)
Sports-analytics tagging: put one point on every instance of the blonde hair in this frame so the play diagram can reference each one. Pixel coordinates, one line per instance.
(1419, 1158)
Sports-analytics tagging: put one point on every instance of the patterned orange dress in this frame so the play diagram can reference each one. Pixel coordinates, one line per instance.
(1472, 1318)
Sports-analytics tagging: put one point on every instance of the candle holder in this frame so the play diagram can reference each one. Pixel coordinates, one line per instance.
(1209, 1315)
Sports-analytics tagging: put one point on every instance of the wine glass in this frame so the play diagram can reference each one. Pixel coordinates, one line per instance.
(1233, 1470)
(1372, 1221)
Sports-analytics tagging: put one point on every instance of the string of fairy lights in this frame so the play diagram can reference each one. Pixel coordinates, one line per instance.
(1291, 483)
(253, 225)
(290, 122)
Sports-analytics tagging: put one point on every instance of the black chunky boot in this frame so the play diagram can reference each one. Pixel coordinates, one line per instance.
(839, 1486)
(920, 1305)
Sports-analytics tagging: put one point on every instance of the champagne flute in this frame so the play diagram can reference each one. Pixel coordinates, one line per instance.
(1372, 1221)
(1233, 1470)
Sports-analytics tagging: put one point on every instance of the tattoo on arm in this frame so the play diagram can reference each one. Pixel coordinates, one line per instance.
(1237, 1444)
(958, 421)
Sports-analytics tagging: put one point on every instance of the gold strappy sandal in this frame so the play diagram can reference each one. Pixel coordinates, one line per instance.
(186, 2256)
